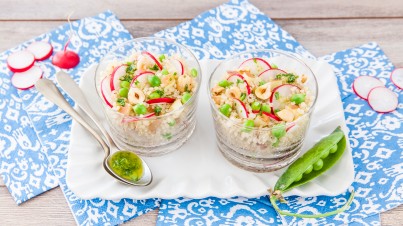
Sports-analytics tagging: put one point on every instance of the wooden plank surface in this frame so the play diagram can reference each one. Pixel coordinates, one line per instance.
(322, 27)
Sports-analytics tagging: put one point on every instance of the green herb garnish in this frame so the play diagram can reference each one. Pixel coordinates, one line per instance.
(157, 110)
(154, 68)
(121, 101)
(277, 95)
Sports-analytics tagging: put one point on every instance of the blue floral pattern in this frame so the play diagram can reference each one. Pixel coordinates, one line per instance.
(35, 135)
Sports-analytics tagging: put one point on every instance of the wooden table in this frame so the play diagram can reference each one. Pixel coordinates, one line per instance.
(323, 27)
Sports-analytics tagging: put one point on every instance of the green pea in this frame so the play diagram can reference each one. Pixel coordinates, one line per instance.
(225, 109)
(193, 72)
(298, 178)
(172, 123)
(333, 149)
(298, 98)
(185, 98)
(162, 57)
(325, 154)
(309, 170)
(154, 95)
(256, 106)
(278, 130)
(224, 83)
(248, 124)
(242, 97)
(318, 165)
(154, 81)
(164, 72)
(273, 66)
(125, 84)
(266, 108)
(140, 109)
(123, 92)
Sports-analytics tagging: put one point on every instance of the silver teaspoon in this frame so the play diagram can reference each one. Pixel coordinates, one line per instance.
(51, 92)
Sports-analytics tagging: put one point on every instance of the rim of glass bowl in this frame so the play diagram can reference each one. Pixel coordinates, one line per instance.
(193, 98)
(288, 54)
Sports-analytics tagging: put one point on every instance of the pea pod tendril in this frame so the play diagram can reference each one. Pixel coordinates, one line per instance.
(321, 157)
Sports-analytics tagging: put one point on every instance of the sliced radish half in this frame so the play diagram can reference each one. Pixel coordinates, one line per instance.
(397, 77)
(118, 72)
(41, 50)
(289, 126)
(106, 91)
(382, 100)
(142, 77)
(145, 53)
(20, 61)
(270, 74)
(25, 80)
(166, 100)
(255, 111)
(134, 118)
(283, 91)
(177, 66)
(241, 109)
(66, 59)
(363, 84)
(234, 78)
(255, 65)
(272, 116)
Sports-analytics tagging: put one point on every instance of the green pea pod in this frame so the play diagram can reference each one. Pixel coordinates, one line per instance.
(287, 180)
(321, 157)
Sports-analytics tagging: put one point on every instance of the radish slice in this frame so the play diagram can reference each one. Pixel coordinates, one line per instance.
(233, 78)
(284, 91)
(133, 119)
(397, 77)
(118, 72)
(25, 80)
(178, 66)
(153, 58)
(20, 61)
(161, 100)
(270, 74)
(289, 126)
(66, 59)
(382, 100)
(142, 77)
(363, 84)
(272, 116)
(255, 111)
(41, 50)
(106, 92)
(255, 65)
(241, 109)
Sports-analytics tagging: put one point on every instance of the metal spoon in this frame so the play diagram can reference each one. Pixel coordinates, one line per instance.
(51, 92)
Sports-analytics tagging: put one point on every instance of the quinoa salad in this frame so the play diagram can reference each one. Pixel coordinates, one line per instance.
(146, 94)
(261, 107)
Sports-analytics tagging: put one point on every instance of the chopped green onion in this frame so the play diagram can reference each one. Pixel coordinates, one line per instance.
(224, 83)
(157, 110)
(121, 102)
(277, 95)
(243, 96)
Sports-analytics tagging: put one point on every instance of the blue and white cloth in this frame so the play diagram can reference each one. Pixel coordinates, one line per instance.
(44, 130)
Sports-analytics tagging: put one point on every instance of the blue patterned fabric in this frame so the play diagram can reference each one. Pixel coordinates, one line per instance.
(216, 34)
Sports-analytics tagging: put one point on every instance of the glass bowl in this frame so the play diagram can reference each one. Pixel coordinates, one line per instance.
(156, 135)
(256, 148)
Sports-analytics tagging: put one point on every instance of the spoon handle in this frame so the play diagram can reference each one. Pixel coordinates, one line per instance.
(71, 88)
(51, 92)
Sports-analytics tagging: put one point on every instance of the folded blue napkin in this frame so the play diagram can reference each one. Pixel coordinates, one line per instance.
(218, 33)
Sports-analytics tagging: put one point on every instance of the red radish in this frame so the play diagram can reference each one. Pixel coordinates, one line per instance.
(106, 91)
(234, 78)
(289, 126)
(178, 65)
(272, 116)
(255, 65)
(142, 77)
(161, 100)
(41, 50)
(20, 61)
(270, 74)
(134, 118)
(241, 109)
(66, 59)
(283, 91)
(118, 72)
(397, 77)
(382, 100)
(363, 84)
(153, 58)
(25, 80)
(255, 111)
